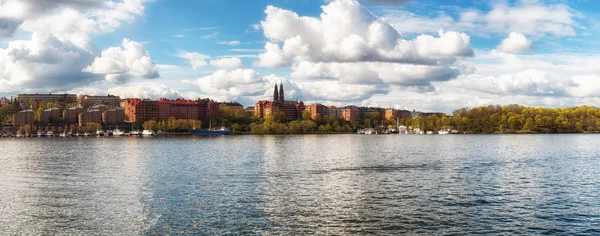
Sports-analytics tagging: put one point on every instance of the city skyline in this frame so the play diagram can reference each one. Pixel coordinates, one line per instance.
(426, 55)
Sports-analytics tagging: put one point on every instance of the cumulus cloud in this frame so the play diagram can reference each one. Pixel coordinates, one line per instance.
(196, 60)
(67, 16)
(273, 57)
(375, 72)
(235, 83)
(227, 63)
(515, 43)
(149, 91)
(347, 32)
(120, 64)
(44, 62)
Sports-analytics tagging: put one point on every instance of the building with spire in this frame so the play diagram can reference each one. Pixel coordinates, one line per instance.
(292, 109)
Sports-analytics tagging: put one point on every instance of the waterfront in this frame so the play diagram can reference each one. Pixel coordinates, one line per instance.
(301, 184)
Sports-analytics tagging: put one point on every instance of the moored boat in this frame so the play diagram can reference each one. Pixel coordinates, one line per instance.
(221, 131)
(148, 132)
(118, 132)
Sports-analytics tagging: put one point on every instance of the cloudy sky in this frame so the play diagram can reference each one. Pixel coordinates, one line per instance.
(425, 55)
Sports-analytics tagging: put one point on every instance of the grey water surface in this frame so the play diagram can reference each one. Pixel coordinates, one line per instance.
(305, 184)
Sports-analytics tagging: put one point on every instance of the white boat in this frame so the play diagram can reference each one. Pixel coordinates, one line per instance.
(63, 134)
(135, 133)
(100, 132)
(147, 132)
(442, 131)
(118, 132)
(41, 134)
(50, 134)
(87, 134)
(20, 134)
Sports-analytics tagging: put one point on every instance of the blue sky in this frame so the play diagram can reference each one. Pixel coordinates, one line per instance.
(429, 55)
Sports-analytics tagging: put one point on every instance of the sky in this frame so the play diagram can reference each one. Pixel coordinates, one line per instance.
(406, 54)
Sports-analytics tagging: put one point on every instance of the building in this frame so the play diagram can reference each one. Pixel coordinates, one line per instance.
(402, 114)
(100, 107)
(333, 111)
(109, 100)
(140, 110)
(351, 113)
(292, 109)
(90, 116)
(113, 116)
(71, 115)
(4, 101)
(24, 100)
(317, 109)
(24, 117)
(178, 108)
(50, 116)
(208, 109)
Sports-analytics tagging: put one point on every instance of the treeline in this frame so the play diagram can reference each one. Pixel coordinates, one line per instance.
(521, 119)
(172, 125)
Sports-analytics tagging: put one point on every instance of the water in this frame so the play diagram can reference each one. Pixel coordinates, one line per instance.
(311, 184)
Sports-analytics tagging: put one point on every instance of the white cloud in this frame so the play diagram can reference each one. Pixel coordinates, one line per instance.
(347, 32)
(515, 43)
(231, 84)
(44, 62)
(145, 91)
(230, 43)
(196, 60)
(211, 36)
(120, 64)
(227, 63)
(375, 72)
(273, 57)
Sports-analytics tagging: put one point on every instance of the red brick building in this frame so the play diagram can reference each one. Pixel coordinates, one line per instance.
(140, 110)
(178, 108)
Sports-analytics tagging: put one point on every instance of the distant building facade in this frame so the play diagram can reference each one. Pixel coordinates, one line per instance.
(291, 109)
(24, 117)
(351, 113)
(24, 99)
(140, 110)
(109, 100)
(90, 116)
(50, 116)
(113, 116)
(178, 108)
(71, 115)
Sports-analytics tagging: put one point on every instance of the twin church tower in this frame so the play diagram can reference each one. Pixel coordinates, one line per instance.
(278, 96)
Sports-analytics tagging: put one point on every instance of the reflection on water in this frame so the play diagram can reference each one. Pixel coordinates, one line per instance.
(309, 184)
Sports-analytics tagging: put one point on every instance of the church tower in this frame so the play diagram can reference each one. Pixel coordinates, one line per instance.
(281, 97)
(275, 94)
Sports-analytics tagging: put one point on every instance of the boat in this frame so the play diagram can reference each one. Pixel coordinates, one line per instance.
(148, 132)
(87, 134)
(118, 132)
(100, 133)
(63, 134)
(50, 133)
(221, 131)
(41, 134)
(20, 134)
(135, 133)
(443, 131)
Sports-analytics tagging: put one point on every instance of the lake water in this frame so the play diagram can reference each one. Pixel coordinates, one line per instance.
(307, 184)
